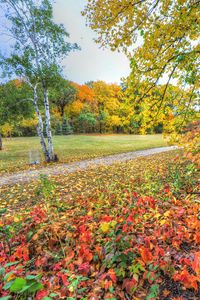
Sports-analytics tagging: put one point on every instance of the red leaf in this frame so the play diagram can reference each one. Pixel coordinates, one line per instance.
(129, 284)
(41, 294)
(84, 268)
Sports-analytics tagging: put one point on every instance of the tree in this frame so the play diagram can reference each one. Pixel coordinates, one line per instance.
(89, 83)
(107, 98)
(66, 127)
(58, 128)
(167, 33)
(84, 93)
(115, 123)
(62, 93)
(13, 108)
(1, 143)
(39, 47)
(86, 121)
(170, 115)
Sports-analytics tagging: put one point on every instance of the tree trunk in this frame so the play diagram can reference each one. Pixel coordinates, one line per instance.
(40, 127)
(62, 111)
(100, 127)
(48, 125)
(1, 143)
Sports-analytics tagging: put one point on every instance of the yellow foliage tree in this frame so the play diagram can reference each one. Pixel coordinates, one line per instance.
(7, 130)
(166, 33)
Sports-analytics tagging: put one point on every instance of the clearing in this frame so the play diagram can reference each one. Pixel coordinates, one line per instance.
(15, 155)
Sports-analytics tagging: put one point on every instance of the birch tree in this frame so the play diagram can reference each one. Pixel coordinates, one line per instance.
(36, 56)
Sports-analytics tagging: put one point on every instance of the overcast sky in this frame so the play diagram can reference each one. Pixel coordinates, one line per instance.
(91, 63)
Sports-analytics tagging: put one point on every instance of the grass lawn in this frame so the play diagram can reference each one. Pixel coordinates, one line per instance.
(15, 155)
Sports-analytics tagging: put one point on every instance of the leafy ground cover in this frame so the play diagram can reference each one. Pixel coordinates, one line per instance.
(15, 155)
(127, 231)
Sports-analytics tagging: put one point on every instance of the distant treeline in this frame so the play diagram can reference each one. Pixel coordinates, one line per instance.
(94, 107)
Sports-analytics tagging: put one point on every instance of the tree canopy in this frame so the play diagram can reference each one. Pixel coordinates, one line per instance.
(160, 37)
(62, 93)
(40, 43)
(13, 102)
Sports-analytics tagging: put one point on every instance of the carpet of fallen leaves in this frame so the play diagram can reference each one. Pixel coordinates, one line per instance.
(126, 231)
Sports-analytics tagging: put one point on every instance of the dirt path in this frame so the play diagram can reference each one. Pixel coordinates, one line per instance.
(27, 176)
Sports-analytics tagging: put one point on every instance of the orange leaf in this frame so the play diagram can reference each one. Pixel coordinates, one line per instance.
(196, 263)
(145, 254)
(187, 279)
(166, 293)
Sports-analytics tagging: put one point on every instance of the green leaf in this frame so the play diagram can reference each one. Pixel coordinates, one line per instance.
(30, 277)
(8, 285)
(2, 271)
(3, 211)
(53, 295)
(153, 293)
(18, 285)
(35, 287)
(25, 288)
(29, 235)
(5, 298)
(80, 291)
(11, 264)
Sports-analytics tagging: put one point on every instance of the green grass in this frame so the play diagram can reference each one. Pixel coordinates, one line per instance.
(15, 154)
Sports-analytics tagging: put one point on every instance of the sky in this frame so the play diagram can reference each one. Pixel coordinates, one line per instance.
(91, 62)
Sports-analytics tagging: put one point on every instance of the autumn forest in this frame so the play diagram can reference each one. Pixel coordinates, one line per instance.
(99, 150)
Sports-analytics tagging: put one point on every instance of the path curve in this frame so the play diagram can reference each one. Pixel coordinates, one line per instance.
(30, 175)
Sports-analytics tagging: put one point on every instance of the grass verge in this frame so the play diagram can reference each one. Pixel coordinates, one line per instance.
(15, 155)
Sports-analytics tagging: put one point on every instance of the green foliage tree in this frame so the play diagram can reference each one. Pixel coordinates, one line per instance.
(39, 47)
(61, 94)
(13, 104)
(87, 121)
(58, 129)
(66, 127)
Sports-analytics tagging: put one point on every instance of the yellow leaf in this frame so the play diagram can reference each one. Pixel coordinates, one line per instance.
(113, 223)
(105, 227)
(71, 288)
(167, 213)
(162, 222)
(16, 219)
(157, 215)
(90, 213)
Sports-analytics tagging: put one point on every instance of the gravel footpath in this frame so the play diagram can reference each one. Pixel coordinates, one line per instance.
(27, 176)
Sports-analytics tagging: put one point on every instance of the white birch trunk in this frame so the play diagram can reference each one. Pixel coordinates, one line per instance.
(40, 126)
(48, 125)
